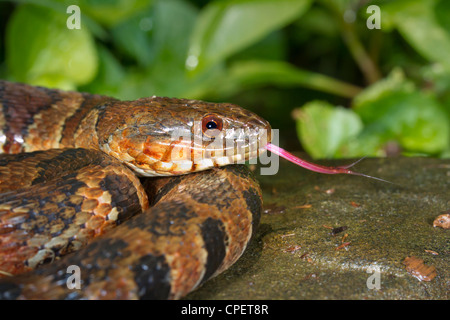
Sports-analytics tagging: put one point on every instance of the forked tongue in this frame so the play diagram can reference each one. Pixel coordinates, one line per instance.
(317, 167)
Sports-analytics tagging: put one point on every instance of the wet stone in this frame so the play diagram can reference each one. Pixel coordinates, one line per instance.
(390, 223)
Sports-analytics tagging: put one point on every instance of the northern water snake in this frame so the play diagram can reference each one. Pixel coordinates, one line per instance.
(173, 233)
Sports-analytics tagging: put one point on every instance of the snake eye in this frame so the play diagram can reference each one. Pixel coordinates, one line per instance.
(210, 124)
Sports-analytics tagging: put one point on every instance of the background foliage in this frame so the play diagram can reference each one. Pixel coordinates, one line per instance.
(312, 68)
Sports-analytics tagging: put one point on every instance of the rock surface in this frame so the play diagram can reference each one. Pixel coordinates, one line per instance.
(346, 237)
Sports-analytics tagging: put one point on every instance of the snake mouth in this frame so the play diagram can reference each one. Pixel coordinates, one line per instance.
(240, 156)
(185, 156)
(239, 146)
(183, 151)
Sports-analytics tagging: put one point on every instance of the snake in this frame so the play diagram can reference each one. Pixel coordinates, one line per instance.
(102, 198)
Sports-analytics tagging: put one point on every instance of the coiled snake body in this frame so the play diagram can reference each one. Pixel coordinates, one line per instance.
(69, 176)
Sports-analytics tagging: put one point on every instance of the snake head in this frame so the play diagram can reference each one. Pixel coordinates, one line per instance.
(167, 136)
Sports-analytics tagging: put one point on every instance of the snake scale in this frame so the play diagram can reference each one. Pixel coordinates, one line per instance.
(76, 190)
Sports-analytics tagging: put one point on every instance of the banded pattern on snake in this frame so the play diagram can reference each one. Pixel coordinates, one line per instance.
(73, 190)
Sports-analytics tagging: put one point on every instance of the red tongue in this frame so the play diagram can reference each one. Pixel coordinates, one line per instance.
(316, 167)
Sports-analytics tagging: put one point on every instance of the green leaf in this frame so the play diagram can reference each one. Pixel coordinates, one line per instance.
(110, 76)
(273, 47)
(394, 109)
(157, 34)
(41, 50)
(133, 37)
(111, 12)
(395, 83)
(255, 73)
(324, 129)
(160, 36)
(172, 20)
(225, 27)
(442, 11)
(417, 22)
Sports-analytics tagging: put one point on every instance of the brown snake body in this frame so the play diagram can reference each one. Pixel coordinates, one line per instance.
(70, 192)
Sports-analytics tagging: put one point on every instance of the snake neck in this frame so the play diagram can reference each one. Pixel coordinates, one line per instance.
(90, 130)
(37, 118)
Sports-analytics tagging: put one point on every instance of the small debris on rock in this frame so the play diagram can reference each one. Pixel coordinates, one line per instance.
(305, 255)
(418, 269)
(432, 252)
(354, 204)
(337, 230)
(287, 235)
(442, 221)
(304, 206)
(292, 249)
(345, 244)
(273, 208)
